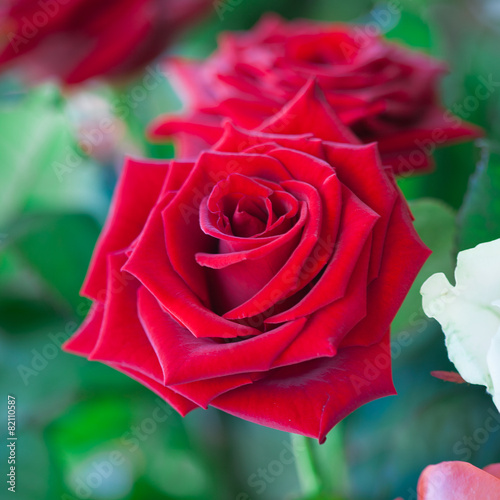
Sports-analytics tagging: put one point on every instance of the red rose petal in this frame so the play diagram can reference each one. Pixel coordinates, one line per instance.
(360, 169)
(402, 259)
(85, 339)
(181, 404)
(310, 398)
(170, 290)
(234, 249)
(203, 392)
(326, 328)
(178, 215)
(208, 358)
(122, 339)
(289, 273)
(309, 112)
(356, 225)
(135, 195)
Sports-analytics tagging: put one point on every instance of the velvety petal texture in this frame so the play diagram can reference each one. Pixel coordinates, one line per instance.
(261, 278)
(376, 91)
(75, 40)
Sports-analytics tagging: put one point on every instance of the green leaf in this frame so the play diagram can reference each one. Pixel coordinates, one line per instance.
(57, 248)
(479, 216)
(435, 223)
(448, 181)
(390, 441)
(412, 30)
(40, 166)
(328, 461)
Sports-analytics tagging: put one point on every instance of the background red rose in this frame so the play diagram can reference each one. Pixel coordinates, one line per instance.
(75, 40)
(261, 279)
(381, 91)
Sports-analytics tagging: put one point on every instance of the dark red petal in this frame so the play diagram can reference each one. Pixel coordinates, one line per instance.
(356, 226)
(200, 125)
(407, 162)
(178, 402)
(360, 169)
(237, 140)
(326, 328)
(289, 272)
(305, 168)
(185, 358)
(178, 215)
(12, 21)
(122, 339)
(203, 392)
(239, 184)
(177, 173)
(310, 398)
(234, 249)
(437, 128)
(135, 195)
(85, 339)
(149, 263)
(403, 257)
(245, 111)
(309, 112)
(110, 48)
(236, 278)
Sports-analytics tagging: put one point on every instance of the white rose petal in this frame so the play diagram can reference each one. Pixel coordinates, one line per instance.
(469, 314)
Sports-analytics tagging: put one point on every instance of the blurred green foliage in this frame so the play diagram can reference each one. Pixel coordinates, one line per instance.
(75, 416)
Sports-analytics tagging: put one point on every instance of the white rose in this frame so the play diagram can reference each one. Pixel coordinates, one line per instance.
(469, 314)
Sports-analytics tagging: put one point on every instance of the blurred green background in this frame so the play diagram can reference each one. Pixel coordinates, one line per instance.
(75, 417)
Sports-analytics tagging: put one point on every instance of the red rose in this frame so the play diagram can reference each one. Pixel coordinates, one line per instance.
(79, 39)
(260, 279)
(459, 480)
(381, 91)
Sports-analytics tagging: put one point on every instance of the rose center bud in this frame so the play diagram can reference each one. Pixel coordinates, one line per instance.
(252, 221)
(329, 48)
(250, 217)
(250, 207)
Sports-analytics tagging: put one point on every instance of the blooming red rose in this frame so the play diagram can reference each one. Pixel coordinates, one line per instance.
(75, 40)
(459, 480)
(381, 91)
(260, 279)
